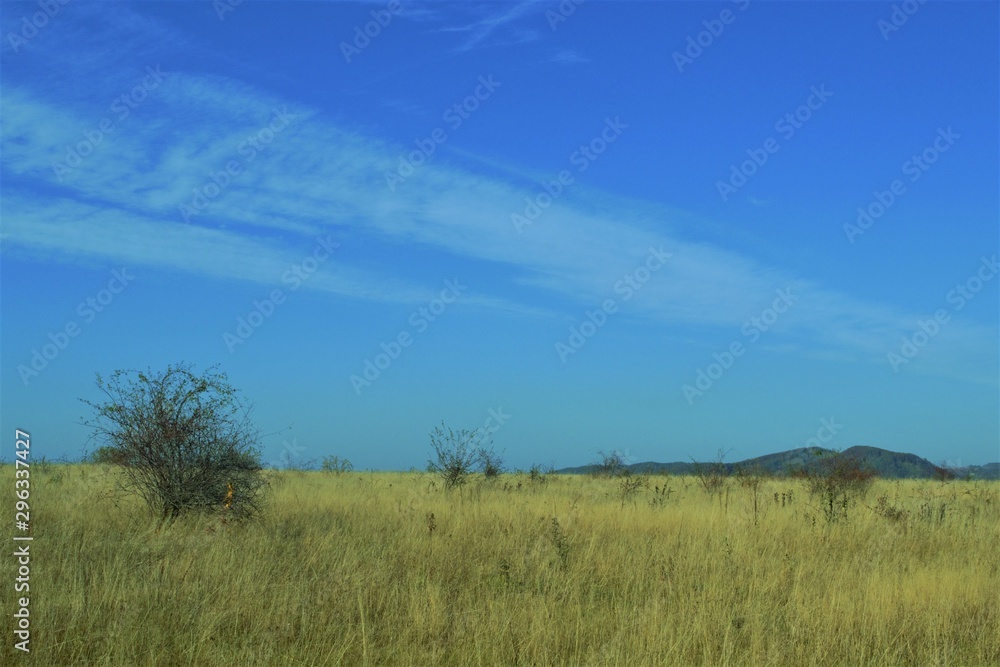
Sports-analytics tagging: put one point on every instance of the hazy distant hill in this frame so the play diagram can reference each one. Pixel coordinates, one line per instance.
(882, 461)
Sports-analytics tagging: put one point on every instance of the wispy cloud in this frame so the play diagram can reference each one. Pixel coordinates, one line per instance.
(316, 176)
(569, 57)
(479, 31)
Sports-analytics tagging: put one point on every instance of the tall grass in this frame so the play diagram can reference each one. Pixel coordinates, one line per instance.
(388, 569)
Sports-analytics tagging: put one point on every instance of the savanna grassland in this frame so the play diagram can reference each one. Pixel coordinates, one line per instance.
(389, 569)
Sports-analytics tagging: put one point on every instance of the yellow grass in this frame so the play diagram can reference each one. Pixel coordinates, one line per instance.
(352, 569)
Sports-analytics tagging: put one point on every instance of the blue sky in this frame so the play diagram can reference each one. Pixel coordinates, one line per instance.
(662, 228)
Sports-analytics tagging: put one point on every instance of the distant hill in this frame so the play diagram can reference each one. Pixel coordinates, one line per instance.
(893, 465)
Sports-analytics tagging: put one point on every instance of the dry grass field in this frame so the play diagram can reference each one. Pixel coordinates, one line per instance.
(388, 569)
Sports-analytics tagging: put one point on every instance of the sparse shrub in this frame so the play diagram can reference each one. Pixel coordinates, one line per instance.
(537, 475)
(630, 486)
(785, 497)
(455, 455)
(42, 464)
(661, 495)
(508, 578)
(932, 512)
(943, 474)
(835, 478)
(336, 465)
(751, 480)
(490, 463)
(181, 441)
(891, 512)
(299, 465)
(459, 454)
(712, 476)
(559, 540)
(610, 464)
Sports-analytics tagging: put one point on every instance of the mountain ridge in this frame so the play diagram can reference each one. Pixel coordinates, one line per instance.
(883, 462)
